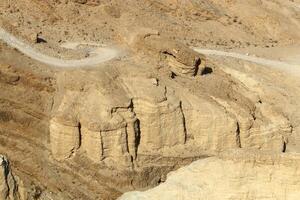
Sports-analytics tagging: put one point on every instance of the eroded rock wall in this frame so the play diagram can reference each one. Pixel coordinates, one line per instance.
(142, 114)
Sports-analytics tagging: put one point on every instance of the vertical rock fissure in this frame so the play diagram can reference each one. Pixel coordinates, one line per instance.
(137, 136)
(197, 63)
(9, 180)
(5, 165)
(137, 131)
(77, 142)
(79, 136)
(127, 142)
(184, 122)
(238, 137)
(284, 147)
(15, 186)
(101, 146)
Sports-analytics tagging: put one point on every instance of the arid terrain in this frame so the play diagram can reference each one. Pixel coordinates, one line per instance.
(148, 99)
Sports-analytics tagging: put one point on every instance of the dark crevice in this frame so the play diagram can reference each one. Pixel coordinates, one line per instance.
(127, 144)
(284, 147)
(80, 137)
(291, 128)
(37, 192)
(8, 175)
(253, 115)
(184, 123)
(101, 145)
(137, 130)
(207, 70)
(197, 63)
(169, 54)
(259, 101)
(173, 75)
(138, 134)
(238, 137)
(5, 165)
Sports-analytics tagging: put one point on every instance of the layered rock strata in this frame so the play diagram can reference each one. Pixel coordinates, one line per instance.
(244, 175)
(178, 57)
(127, 123)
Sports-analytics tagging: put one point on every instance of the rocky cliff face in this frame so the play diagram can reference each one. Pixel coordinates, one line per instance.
(97, 132)
(125, 124)
(117, 122)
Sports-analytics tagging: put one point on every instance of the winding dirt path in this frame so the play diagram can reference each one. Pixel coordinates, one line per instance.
(103, 53)
(291, 68)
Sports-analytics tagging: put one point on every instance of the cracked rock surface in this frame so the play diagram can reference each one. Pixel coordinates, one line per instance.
(8, 183)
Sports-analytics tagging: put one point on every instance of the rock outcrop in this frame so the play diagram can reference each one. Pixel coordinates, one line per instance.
(133, 121)
(118, 123)
(103, 131)
(181, 59)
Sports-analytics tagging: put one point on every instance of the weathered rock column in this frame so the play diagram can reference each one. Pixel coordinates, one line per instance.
(64, 138)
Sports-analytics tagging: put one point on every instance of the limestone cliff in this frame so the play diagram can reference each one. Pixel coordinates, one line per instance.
(135, 113)
(98, 132)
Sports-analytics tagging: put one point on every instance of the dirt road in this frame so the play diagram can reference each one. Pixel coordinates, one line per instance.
(291, 68)
(103, 53)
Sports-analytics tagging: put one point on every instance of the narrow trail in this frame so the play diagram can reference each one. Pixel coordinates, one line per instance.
(291, 68)
(103, 54)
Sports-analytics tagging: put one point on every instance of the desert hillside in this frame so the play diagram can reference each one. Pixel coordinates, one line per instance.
(140, 99)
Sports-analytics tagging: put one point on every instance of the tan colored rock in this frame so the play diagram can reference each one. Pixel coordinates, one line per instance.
(181, 59)
(105, 132)
(125, 123)
(114, 122)
(273, 135)
(209, 126)
(161, 121)
(65, 139)
(161, 125)
(8, 183)
(92, 143)
(239, 175)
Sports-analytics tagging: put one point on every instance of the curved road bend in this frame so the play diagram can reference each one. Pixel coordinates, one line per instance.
(103, 54)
